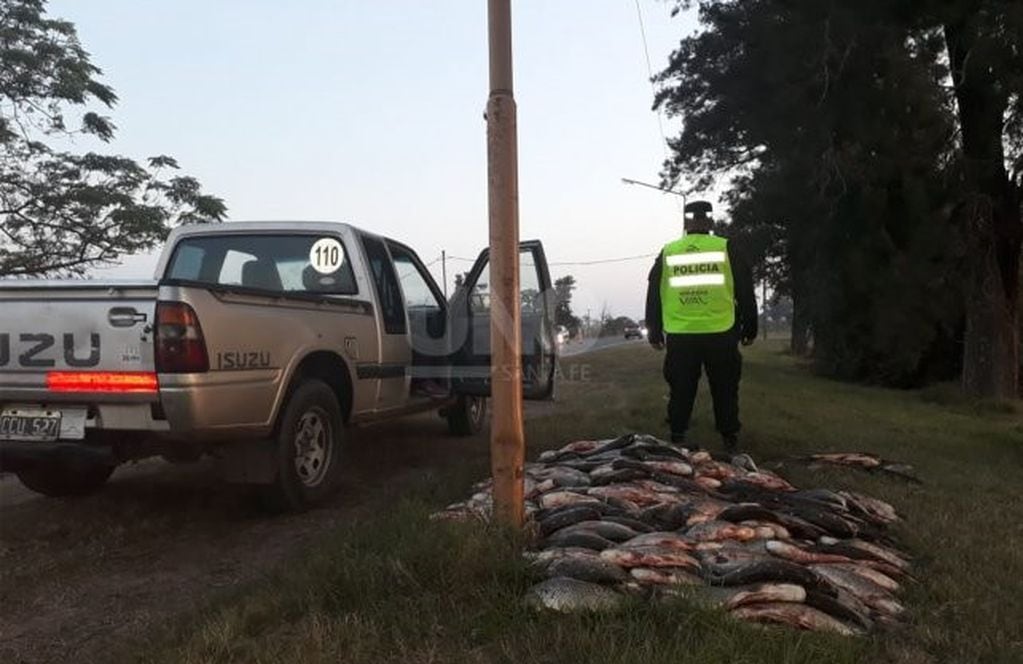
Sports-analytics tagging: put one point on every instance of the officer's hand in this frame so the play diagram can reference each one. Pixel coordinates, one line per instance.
(748, 341)
(656, 341)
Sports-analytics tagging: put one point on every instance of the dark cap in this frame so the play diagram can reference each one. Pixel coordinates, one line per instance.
(698, 210)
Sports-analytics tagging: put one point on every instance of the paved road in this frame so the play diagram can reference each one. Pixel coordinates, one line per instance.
(592, 345)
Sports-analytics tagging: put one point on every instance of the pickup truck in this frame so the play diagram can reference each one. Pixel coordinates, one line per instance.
(257, 343)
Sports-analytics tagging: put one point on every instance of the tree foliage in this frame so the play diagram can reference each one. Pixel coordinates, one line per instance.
(563, 315)
(61, 212)
(839, 124)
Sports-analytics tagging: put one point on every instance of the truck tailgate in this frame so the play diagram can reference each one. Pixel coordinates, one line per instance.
(49, 328)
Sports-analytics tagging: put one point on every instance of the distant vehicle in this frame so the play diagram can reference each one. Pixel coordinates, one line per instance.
(633, 331)
(259, 344)
(560, 334)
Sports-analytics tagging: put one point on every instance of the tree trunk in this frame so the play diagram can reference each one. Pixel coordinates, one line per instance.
(992, 212)
(800, 343)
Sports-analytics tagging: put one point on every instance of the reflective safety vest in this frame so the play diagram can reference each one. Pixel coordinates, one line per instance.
(697, 288)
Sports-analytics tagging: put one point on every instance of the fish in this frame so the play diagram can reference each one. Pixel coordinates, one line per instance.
(615, 444)
(563, 498)
(641, 497)
(612, 531)
(629, 522)
(665, 576)
(826, 496)
(562, 476)
(683, 484)
(802, 556)
(726, 559)
(655, 486)
(701, 456)
(583, 539)
(679, 468)
(650, 556)
(843, 606)
(869, 573)
(567, 595)
(766, 480)
(847, 459)
(708, 483)
(712, 531)
(716, 470)
(664, 539)
(782, 571)
(767, 530)
(745, 462)
(611, 476)
(581, 446)
(540, 488)
(793, 615)
(667, 516)
(872, 508)
(549, 555)
(865, 590)
(747, 512)
(566, 517)
(730, 598)
(587, 568)
(653, 453)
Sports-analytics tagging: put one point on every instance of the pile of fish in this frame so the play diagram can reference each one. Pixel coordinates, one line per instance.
(638, 516)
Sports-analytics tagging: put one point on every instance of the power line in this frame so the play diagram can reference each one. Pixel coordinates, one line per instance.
(598, 261)
(601, 261)
(653, 86)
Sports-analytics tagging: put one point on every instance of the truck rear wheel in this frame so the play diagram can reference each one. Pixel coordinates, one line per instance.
(467, 416)
(308, 446)
(61, 481)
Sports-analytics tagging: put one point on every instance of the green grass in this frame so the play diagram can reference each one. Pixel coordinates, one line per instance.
(396, 587)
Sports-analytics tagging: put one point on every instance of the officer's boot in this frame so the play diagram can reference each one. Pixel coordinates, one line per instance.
(731, 442)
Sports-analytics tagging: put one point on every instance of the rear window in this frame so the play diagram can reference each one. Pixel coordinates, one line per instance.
(278, 263)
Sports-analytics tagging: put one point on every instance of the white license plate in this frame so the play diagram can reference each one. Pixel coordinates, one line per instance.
(36, 425)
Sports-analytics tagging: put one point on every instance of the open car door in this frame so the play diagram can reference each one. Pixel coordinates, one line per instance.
(471, 315)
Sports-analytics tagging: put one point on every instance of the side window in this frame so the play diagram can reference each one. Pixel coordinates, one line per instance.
(529, 287)
(414, 284)
(479, 298)
(392, 309)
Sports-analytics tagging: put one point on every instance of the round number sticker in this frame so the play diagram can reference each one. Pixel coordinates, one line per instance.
(326, 255)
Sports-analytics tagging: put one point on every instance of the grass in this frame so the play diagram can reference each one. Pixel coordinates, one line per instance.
(396, 587)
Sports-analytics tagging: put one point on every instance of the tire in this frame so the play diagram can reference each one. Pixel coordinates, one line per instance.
(60, 481)
(467, 416)
(308, 444)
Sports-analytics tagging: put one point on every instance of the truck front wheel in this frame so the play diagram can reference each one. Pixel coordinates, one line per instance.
(60, 481)
(467, 416)
(308, 446)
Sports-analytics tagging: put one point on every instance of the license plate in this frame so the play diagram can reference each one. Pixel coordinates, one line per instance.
(39, 425)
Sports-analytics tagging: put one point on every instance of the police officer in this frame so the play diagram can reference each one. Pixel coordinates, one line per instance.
(700, 305)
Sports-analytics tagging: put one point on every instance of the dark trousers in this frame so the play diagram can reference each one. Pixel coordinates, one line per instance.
(686, 357)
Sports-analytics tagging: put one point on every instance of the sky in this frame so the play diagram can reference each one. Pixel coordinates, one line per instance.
(372, 113)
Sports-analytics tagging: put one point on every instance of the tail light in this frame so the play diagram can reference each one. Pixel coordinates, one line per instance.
(180, 347)
(101, 381)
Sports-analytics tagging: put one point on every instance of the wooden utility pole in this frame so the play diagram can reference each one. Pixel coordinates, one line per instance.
(507, 438)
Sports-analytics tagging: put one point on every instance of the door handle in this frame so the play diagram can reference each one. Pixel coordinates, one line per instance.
(125, 317)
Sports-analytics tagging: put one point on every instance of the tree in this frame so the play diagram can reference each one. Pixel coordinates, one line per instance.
(831, 119)
(63, 213)
(563, 315)
(983, 40)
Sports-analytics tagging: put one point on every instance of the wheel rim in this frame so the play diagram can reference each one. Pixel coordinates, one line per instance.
(475, 409)
(313, 447)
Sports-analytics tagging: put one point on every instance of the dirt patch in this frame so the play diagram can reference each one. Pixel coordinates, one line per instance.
(87, 579)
